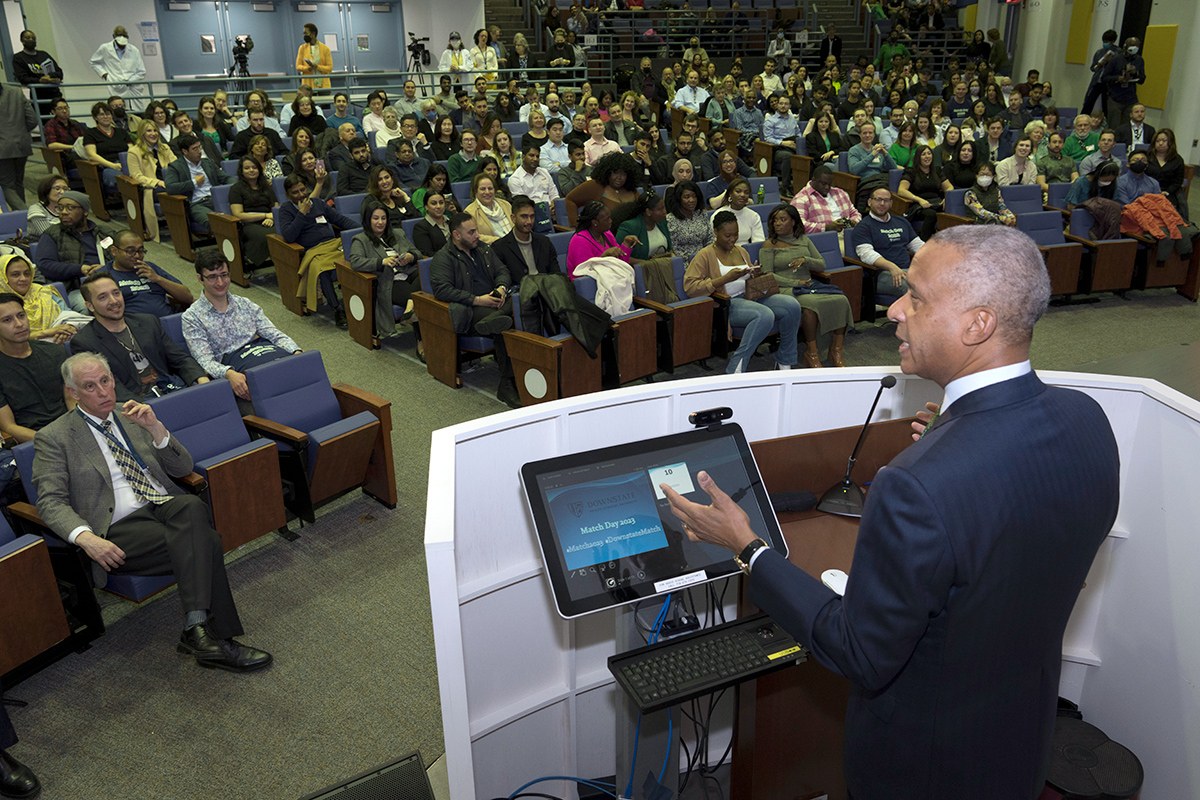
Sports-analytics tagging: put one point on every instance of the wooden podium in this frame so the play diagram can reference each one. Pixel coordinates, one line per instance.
(790, 725)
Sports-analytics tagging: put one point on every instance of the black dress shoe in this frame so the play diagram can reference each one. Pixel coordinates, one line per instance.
(507, 393)
(228, 654)
(339, 318)
(16, 779)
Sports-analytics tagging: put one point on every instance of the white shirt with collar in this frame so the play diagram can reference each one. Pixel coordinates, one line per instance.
(125, 500)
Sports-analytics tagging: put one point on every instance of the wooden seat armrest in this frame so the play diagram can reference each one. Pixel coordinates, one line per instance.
(366, 276)
(562, 229)
(27, 512)
(646, 302)
(820, 273)
(1070, 237)
(281, 242)
(720, 297)
(216, 215)
(855, 262)
(1140, 237)
(361, 399)
(274, 430)
(193, 481)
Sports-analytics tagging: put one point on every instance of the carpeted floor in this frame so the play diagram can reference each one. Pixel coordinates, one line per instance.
(345, 609)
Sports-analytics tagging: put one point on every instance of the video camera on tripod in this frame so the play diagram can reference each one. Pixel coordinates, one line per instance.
(419, 53)
(242, 46)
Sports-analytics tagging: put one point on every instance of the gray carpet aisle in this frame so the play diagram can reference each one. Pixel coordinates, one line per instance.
(345, 608)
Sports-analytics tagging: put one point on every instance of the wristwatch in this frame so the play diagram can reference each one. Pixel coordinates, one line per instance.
(743, 558)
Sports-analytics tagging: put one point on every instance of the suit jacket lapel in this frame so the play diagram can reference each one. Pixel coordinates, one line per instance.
(81, 434)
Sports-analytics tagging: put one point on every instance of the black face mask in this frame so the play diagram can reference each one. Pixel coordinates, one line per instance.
(308, 38)
(119, 112)
(1138, 167)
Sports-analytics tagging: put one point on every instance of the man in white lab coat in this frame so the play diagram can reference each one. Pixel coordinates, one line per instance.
(120, 63)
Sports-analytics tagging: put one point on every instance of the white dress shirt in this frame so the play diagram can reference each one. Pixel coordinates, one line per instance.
(960, 387)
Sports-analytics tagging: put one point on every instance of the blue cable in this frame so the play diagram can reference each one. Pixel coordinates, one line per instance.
(666, 755)
(594, 784)
(662, 615)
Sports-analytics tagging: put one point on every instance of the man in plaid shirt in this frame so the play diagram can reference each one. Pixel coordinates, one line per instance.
(822, 205)
(61, 132)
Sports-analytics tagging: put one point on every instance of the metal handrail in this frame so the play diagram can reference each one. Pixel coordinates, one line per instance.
(357, 84)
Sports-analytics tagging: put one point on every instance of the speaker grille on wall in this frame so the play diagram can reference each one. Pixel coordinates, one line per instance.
(404, 779)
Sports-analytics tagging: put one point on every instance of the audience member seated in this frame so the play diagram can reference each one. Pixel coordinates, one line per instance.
(869, 158)
(1014, 116)
(710, 159)
(886, 242)
(382, 188)
(339, 156)
(437, 179)
(1019, 168)
(727, 173)
(463, 164)
(924, 186)
(354, 175)
(251, 200)
(652, 247)
(1167, 167)
(316, 177)
(72, 249)
(983, 200)
(782, 130)
(535, 183)
(410, 170)
(609, 184)
(148, 159)
(492, 214)
(47, 312)
(44, 213)
(260, 151)
(724, 267)
(791, 257)
(664, 168)
(228, 334)
(737, 200)
(104, 144)
(575, 173)
(1136, 182)
(594, 238)
(149, 526)
(688, 221)
(961, 171)
(145, 361)
(255, 127)
(144, 286)
(1101, 183)
(523, 251)
(1083, 140)
(302, 140)
(598, 145)
(555, 153)
(311, 225)
(823, 140)
(445, 141)
(432, 232)
(1103, 152)
(194, 176)
(1136, 132)
(747, 119)
(1054, 166)
(384, 249)
(341, 115)
(618, 129)
(60, 132)
(305, 114)
(373, 119)
(468, 276)
(182, 123)
(391, 131)
(32, 394)
(823, 206)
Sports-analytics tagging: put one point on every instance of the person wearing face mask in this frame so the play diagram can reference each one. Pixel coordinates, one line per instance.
(1101, 183)
(1121, 77)
(779, 47)
(37, 70)
(1136, 182)
(314, 58)
(983, 201)
(456, 59)
(1100, 59)
(120, 64)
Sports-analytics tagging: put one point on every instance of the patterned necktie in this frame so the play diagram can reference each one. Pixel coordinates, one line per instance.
(932, 420)
(133, 473)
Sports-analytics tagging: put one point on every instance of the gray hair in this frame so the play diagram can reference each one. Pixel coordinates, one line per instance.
(80, 360)
(1035, 125)
(1001, 268)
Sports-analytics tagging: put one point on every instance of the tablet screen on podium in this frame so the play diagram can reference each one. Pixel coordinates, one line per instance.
(606, 530)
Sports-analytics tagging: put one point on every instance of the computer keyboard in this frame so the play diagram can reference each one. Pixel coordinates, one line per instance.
(667, 673)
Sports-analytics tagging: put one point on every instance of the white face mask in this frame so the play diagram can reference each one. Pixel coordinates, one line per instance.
(1106, 183)
(121, 41)
(1133, 51)
(985, 180)
(1006, 89)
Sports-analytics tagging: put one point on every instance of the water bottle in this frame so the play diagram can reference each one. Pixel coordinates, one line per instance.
(762, 195)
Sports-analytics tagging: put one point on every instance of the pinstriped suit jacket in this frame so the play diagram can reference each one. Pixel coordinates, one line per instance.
(973, 547)
(72, 479)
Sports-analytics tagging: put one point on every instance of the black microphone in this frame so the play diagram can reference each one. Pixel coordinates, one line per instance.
(846, 496)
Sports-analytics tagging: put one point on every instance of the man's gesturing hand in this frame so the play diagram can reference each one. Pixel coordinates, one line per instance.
(102, 551)
(723, 523)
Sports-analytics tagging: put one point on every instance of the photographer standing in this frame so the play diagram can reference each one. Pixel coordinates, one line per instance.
(314, 57)
(1122, 75)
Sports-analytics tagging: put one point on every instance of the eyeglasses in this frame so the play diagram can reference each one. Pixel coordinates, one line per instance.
(217, 278)
(134, 251)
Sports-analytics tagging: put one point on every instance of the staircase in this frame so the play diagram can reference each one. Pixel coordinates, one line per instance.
(510, 16)
(842, 14)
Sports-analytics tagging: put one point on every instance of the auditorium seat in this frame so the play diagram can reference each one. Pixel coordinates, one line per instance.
(443, 346)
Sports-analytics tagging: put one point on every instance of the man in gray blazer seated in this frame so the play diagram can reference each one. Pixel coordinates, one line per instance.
(104, 485)
(193, 176)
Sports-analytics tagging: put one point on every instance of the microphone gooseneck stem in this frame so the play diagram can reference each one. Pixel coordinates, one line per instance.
(862, 435)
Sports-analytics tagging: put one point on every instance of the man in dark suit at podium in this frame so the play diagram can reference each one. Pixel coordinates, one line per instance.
(974, 543)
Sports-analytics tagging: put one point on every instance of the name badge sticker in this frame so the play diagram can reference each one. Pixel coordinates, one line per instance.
(321, 219)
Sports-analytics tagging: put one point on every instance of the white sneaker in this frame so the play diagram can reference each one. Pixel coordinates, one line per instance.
(782, 366)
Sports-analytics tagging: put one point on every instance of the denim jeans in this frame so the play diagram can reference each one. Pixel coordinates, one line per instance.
(883, 284)
(757, 317)
(108, 179)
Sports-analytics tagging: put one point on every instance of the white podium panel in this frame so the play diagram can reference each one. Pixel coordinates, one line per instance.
(526, 694)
